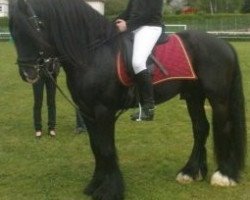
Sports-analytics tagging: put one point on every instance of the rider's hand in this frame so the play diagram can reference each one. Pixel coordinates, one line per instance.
(121, 25)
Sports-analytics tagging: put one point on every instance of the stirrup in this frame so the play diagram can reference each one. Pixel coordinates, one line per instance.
(144, 114)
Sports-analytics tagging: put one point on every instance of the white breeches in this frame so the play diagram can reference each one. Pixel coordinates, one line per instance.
(145, 38)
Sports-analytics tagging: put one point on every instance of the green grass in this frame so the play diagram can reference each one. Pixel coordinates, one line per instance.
(58, 169)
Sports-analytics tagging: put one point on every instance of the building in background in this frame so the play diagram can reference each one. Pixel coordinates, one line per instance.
(182, 6)
(98, 5)
(4, 9)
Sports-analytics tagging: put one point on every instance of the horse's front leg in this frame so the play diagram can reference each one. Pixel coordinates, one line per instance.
(107, 181)
(196, 167)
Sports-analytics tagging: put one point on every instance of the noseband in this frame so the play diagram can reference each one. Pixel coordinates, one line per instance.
(46, 64)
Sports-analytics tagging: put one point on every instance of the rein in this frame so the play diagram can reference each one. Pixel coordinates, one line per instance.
(49, 74)
(43, 63)
(36, 23)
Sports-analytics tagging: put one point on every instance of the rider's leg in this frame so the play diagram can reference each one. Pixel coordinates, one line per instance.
(144, 41)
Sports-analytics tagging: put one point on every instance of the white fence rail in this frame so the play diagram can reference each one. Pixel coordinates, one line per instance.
(231, 34)
(173, 28)
(5, 36)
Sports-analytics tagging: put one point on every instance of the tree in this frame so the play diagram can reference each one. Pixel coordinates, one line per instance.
(246, 7)
(115, 7)
(216, 6)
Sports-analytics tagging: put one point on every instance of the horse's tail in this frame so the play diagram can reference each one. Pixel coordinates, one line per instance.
(237, 116)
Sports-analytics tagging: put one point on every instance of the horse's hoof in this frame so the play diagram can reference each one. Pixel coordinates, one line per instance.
(184, 178)
(223, 181)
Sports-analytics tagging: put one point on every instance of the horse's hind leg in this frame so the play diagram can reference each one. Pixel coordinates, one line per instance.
(196, 167)
(224, 142)
(107, 181)
(229, 129)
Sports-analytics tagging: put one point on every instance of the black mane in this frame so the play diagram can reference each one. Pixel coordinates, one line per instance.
(75, 27)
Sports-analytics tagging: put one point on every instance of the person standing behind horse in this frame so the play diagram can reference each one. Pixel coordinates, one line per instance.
(80, 124)
(144, 19)
(38, 88)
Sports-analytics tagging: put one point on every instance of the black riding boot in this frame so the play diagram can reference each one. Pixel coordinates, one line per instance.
(146, 94)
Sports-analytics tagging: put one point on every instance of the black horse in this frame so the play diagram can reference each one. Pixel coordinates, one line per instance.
(87, 44)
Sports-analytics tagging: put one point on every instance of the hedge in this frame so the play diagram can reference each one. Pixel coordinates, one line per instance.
(205, 22)
(4, 21)
(225, 22)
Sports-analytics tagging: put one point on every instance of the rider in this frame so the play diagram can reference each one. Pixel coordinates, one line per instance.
(142, 18)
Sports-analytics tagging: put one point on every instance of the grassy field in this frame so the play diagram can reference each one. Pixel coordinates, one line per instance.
(59, 168)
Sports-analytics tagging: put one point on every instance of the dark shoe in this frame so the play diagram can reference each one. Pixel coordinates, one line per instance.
(146, 114)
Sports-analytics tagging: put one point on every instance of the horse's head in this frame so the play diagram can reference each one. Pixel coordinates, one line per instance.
(32, 41)
(69, 29)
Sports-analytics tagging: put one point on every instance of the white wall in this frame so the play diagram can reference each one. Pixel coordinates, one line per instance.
(98, 5)
(178, 4)
(4, 9)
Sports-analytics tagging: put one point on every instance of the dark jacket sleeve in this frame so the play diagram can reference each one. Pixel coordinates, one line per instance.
(126, 13)
(144, 12)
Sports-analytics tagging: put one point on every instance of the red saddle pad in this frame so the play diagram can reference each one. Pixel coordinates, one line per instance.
(172, 55)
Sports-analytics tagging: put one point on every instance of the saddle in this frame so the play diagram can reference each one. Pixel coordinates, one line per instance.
(169, 61)
(127, 53)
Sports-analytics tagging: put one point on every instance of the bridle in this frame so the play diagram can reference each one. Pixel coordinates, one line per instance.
(46, 64)
(42, 62)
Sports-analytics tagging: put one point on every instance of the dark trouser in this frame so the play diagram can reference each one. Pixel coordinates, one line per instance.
(38, 88)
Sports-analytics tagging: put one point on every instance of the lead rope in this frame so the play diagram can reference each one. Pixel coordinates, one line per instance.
(72, 103)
